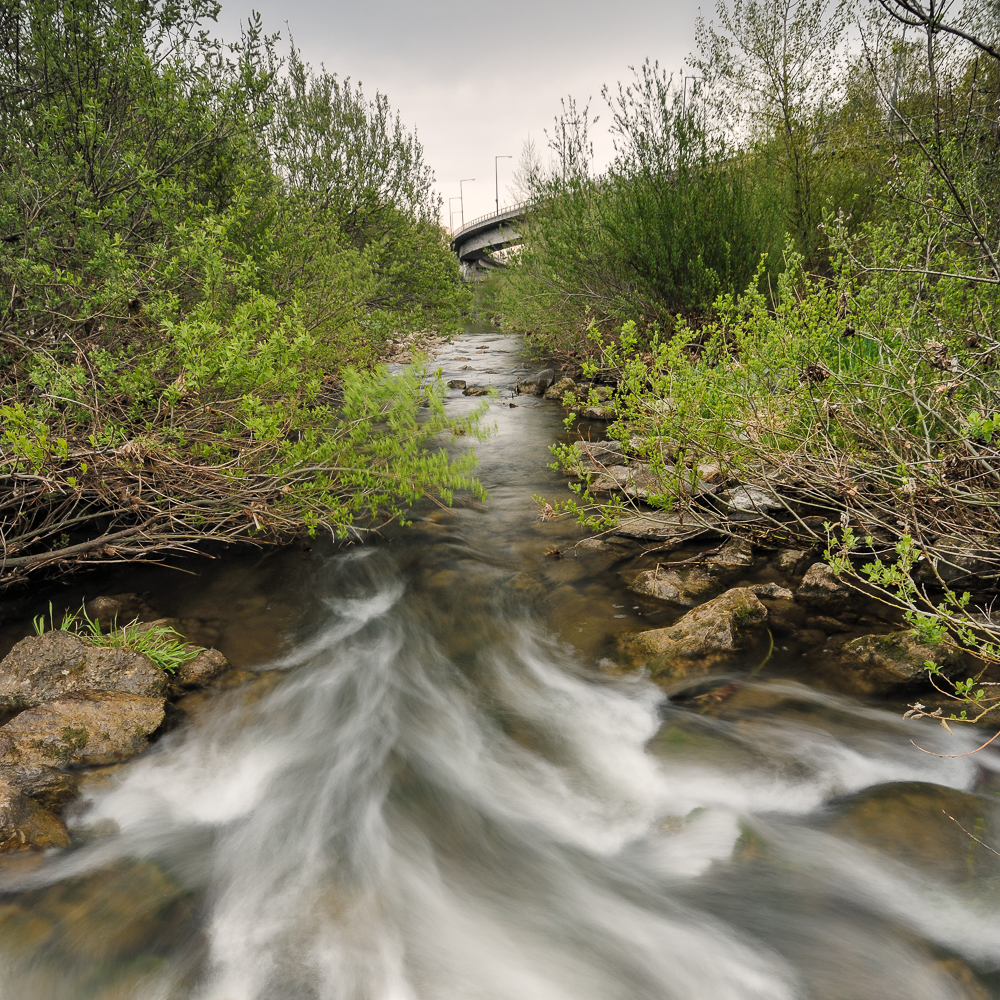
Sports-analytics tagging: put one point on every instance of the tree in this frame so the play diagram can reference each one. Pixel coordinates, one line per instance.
(770, 72)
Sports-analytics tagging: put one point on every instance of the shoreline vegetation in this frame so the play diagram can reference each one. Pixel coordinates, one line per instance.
(206, 249)
(782, 296)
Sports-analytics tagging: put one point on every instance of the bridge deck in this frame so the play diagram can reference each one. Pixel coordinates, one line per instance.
(475, 240)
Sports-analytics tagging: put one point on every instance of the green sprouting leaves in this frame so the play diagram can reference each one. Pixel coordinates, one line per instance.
(160, 643)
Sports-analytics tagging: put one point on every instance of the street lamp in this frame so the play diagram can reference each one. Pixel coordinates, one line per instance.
(451, 214)
(496, 177)
(461, 194)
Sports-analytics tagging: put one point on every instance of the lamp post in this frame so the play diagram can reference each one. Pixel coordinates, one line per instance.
(496, 177)
(461, 195)
(451, 214)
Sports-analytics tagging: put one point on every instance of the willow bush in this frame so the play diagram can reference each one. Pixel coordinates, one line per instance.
(863, 395)
(678, 217)
(202, 249)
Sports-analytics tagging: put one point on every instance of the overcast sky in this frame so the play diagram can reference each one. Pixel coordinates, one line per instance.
(477, 79)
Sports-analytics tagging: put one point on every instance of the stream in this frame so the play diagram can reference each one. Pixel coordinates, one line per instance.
(439, 788)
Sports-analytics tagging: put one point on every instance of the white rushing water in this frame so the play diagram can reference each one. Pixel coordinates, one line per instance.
(455, 806)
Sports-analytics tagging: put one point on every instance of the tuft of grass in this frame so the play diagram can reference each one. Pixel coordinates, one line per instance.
(66, 625)
(160, 643)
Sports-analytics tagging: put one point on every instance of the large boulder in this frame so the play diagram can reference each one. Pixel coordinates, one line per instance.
(46, 667)
(702, 636)
(822, 589)
(95, 727)
(898, 658)
(25, 824)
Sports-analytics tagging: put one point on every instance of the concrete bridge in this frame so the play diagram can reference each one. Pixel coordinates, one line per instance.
(476, 241)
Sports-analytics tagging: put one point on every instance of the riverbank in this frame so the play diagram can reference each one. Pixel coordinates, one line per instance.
(702, 611)
(445, 732)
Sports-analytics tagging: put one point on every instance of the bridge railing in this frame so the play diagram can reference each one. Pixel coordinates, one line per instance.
(504, 212)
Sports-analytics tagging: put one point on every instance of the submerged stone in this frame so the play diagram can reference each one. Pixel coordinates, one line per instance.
(24, 824)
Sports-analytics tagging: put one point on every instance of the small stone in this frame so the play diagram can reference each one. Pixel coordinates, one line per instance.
(476, 390)
(456, 383)
(772, 590)
(733, 559)
(595, 455)
(684, 587)
(24, 824)
(664, 585)
(751, 499)
(665, 528)
(47, 785)
(709, 472)
(559, 389)
(962, 557)
(822, 589)
(537, 384)
(898, 658)
(602, 414)
(204, 668)
(117, 609)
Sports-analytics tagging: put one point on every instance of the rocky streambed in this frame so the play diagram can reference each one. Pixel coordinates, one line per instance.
(73, 708)
(494, 755)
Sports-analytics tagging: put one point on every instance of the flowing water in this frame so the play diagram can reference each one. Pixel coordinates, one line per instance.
(440, 790)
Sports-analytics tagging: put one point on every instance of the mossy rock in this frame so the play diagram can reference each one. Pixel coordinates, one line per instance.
(918, 823)
(703, 637)
(898, 659)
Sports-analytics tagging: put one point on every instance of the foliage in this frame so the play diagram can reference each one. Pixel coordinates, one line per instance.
(947, 620)
(769, 72)
(197, 244)
(160, 643)
(677, 218)
(853, 381)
